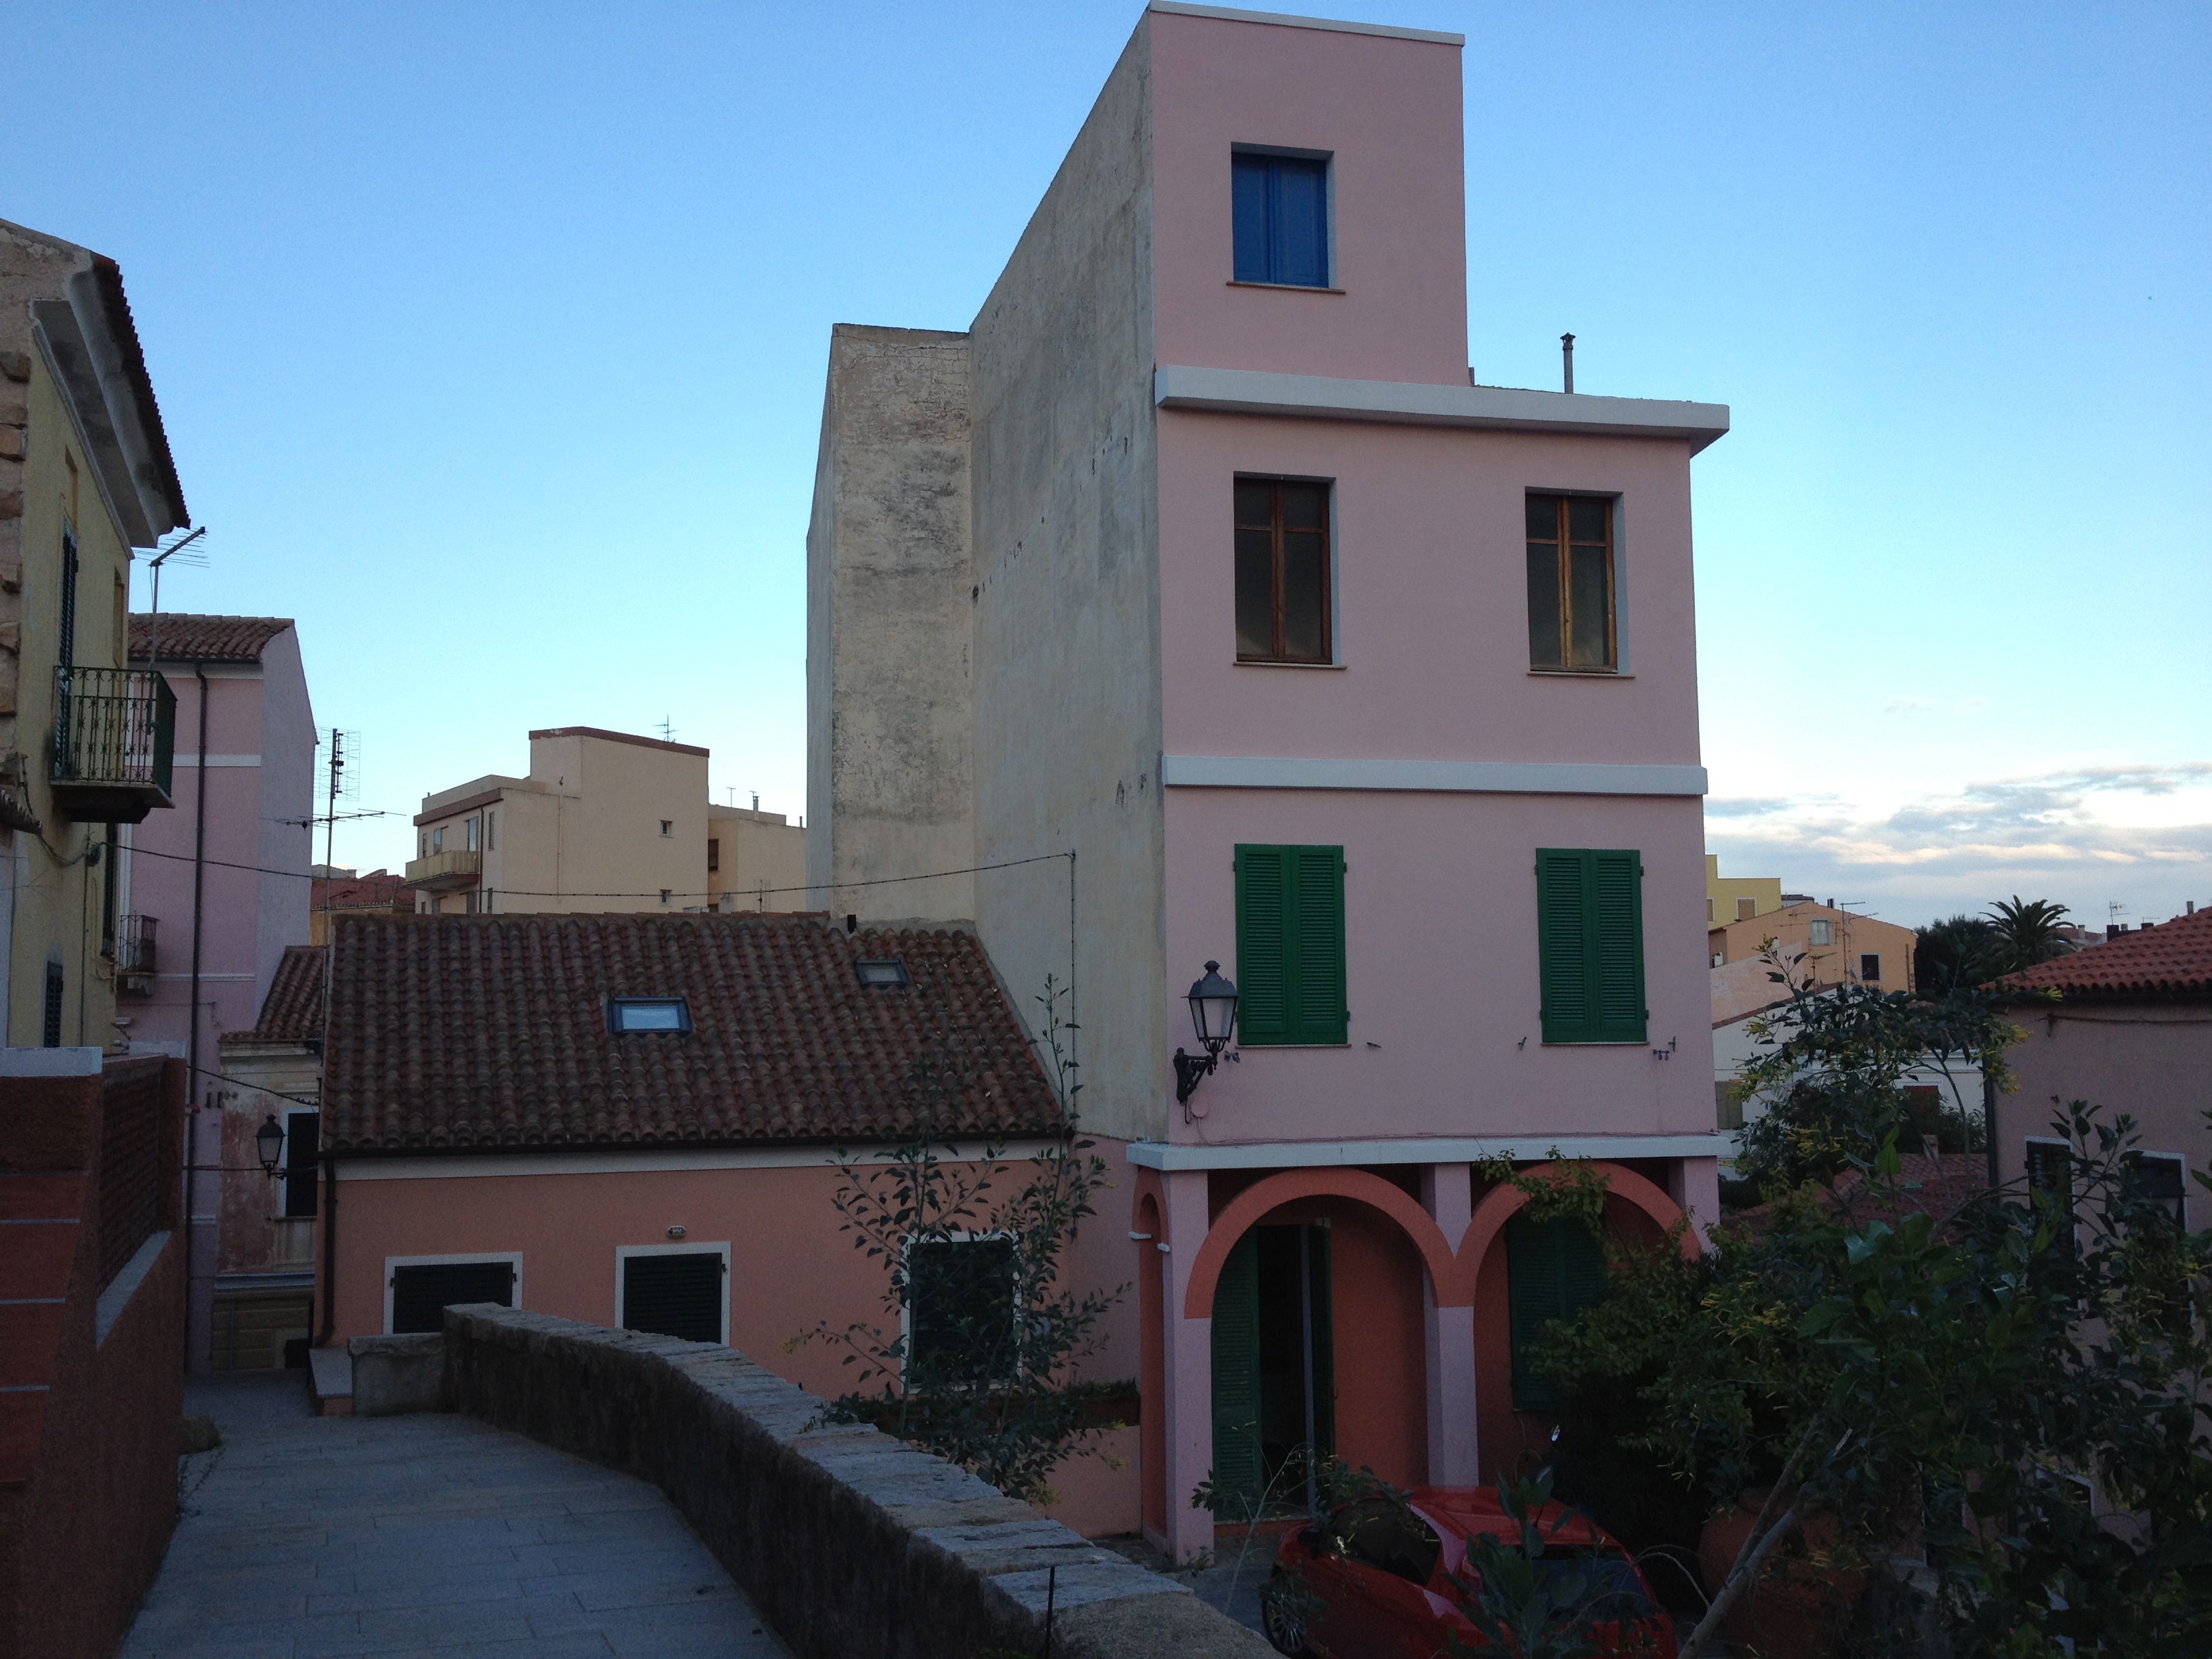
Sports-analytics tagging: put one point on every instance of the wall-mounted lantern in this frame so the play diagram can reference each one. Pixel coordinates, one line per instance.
(1214, 1016)
(268, 1142)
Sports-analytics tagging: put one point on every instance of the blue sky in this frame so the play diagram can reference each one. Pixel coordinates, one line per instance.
(490, 340)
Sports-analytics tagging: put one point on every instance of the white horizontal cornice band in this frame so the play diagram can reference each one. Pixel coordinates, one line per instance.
(1448, 777)
(1334, 1154)
(1406, 403)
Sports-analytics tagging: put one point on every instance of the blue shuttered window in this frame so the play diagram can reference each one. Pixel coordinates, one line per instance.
(1280, 210)
(1589, 927)
(1289, 946)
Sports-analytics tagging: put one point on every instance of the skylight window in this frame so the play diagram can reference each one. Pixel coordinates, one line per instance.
(888, 973)
(648, 1014)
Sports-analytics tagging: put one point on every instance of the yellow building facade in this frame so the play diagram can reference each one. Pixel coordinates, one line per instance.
(1839, 948)
(87, 745)
(606, 821)
(1738, 898)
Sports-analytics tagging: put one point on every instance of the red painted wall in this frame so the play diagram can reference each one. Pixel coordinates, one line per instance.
(88, 1433)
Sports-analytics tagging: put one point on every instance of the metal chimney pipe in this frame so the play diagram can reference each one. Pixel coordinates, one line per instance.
(1567, 358)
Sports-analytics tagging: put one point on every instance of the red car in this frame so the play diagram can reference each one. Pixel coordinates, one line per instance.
(1383, 1578)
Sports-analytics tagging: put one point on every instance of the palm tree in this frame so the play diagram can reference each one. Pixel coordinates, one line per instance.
(2026, 932)
(1952, 955)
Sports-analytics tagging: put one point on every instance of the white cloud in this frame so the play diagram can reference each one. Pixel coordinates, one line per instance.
(2139, 835)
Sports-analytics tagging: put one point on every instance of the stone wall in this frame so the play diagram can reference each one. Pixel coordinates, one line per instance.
(852, 1544)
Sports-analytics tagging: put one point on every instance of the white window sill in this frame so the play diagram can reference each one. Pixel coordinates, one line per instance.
(1285, 287)
(1580, 674)
(1262, 662)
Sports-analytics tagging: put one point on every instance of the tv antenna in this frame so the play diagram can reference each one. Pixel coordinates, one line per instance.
(197, 561)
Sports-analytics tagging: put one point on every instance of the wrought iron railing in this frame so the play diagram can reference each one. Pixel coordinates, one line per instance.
(113, 726)
(134, 944)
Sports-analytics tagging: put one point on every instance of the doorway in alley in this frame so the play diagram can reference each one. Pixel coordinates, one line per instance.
(1274, 1363)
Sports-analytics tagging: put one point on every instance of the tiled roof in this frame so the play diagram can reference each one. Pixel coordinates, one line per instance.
(379, 889)
(205, 639)
(293, 1010)
(458, 1033)
(2173, 958)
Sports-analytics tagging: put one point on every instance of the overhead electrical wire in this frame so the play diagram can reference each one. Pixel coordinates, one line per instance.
(652, 893)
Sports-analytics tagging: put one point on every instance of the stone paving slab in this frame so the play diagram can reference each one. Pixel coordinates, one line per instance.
(324, 1538)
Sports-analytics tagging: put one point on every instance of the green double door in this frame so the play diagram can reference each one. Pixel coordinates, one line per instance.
(1274, 1373)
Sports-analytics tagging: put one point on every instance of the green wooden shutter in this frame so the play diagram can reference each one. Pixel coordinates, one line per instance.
(1589, 929)
(1554, 1269)
(1617, 925)
(1263, 998)
(1563, 944)
(1317, 891)
(1237, 1373)
(1289, 946)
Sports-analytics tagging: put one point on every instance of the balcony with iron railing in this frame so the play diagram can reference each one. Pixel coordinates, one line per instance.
(445, 872)
(115, 737)
(132, 949)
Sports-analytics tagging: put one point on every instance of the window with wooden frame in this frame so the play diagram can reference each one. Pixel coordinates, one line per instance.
(1571, 626)
(1283, 571)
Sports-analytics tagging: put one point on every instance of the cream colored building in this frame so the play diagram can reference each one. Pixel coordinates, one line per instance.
(605, 820)
(1837, 948)
(755, 861)
(86, 745)
(1738, 898)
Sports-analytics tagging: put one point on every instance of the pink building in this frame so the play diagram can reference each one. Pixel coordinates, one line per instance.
(2128, 1031)
(215, 891)
(1199, 604)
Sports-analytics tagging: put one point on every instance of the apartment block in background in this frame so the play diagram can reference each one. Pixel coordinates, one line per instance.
(755, 861)
(1738, 898)
(1201, 556)
(605, 820)
(337, 891)
(1830, 945)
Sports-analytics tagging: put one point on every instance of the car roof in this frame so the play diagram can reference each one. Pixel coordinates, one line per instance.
(1477, 1508)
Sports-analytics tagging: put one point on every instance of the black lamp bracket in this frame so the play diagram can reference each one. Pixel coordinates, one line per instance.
(1189, 1068)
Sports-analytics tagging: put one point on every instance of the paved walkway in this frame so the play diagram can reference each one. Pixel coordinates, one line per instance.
(311, 1538)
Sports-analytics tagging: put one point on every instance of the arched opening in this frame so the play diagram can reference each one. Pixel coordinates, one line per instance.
(1520, 1273)
(1315, 1298)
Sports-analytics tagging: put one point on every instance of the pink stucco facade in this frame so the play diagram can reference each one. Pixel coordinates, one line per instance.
(1060, 485)
(248, 845)
(563, 1219)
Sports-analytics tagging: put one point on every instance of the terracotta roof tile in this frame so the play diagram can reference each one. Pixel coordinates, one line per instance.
(293, 1010)
(461, 1033)
(2173, 958)
(186, 638)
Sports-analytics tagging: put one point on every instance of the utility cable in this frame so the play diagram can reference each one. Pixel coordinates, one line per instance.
(653, 893)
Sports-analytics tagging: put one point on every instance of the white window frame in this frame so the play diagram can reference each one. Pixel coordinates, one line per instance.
(475, 835)
(685, 1247)
(906, 1308)
(447, 1258)
(1816, 927)
(2181, 1158)
(1864, 956)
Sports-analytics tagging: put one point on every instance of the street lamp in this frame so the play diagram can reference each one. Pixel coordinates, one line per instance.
(1214, 1016)
(268, 1142)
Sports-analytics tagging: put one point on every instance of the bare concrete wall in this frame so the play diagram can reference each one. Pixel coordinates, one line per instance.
(890, 715)
(1066, 605)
